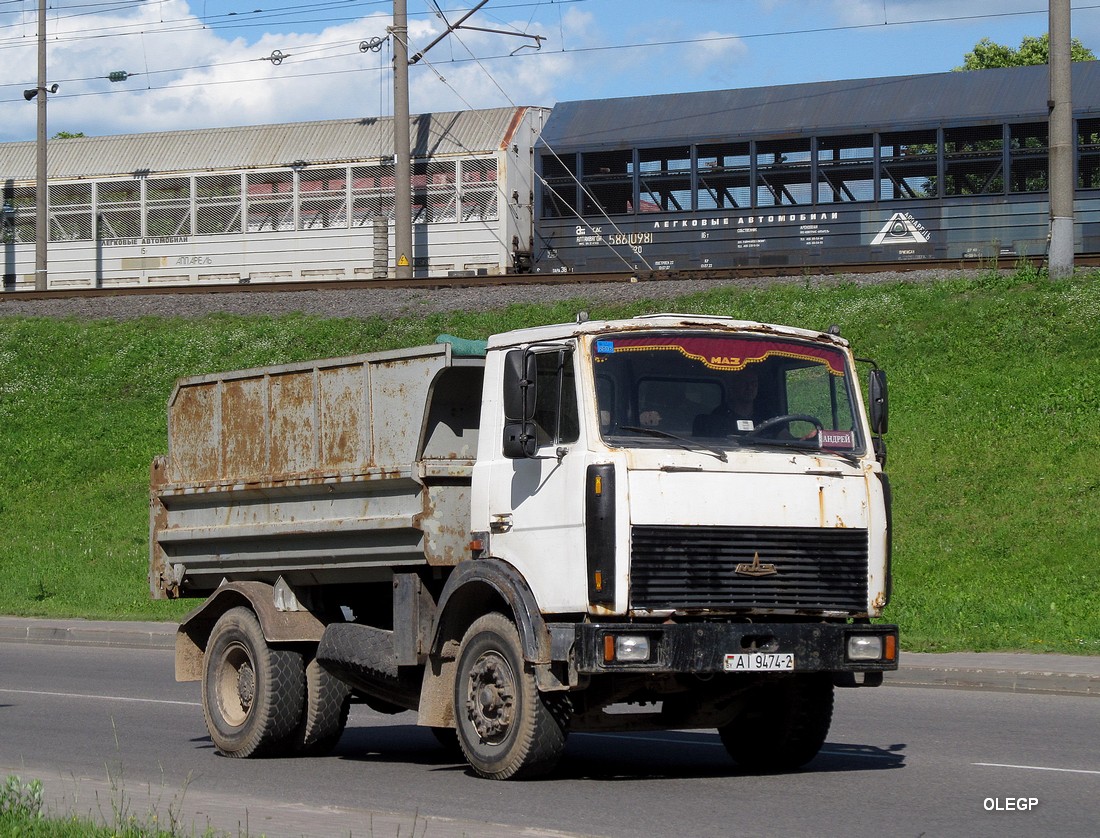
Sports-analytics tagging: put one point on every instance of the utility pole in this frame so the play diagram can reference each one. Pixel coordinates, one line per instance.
(1060, 258)
(41, 222)
(402, 153)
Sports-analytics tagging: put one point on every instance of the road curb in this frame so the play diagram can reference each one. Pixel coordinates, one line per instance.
(1073, 675)
(88, 633)
(1028, 676)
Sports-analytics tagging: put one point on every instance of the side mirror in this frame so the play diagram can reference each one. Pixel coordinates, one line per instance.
(880, 401)
(520, 440)
(519, 386)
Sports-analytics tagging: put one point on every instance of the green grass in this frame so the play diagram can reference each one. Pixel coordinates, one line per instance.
(993, 442)
(24, 815)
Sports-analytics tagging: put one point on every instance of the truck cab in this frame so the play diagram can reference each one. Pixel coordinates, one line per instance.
(643, 463)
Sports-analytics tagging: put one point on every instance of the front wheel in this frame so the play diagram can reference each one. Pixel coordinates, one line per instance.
(253, 696)
(506, 727)
(783, 725)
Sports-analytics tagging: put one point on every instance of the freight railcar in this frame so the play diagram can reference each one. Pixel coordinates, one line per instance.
(942, 166)
(304, 201)
(890, 170)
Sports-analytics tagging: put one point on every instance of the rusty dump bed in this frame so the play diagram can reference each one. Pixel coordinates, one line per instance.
(326, 472)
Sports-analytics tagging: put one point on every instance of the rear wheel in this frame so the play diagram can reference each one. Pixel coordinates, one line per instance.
(252, 695)
(783, 725)
(325, 715)
(506, 728)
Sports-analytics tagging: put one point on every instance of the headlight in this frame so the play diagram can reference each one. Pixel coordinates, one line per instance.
(626, 648)
(864, 647)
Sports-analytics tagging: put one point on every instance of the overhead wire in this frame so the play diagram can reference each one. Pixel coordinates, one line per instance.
(291, 15)
(299, 55)
(453, 60)
(194, 24)
(22, 41)
(542, 181)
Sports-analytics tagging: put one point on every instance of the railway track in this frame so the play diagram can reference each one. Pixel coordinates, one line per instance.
(432, 283)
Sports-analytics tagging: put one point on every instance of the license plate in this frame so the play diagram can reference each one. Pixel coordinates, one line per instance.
(759, 662)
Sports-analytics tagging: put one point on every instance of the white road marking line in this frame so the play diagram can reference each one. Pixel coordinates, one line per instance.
(1035, 768)
(103, 697)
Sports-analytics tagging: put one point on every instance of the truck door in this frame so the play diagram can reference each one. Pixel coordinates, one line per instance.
(536, 503)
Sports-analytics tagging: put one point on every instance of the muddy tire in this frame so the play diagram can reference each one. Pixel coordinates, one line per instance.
(506, 728)
(253, 696)
(784, 724)
(325, 715)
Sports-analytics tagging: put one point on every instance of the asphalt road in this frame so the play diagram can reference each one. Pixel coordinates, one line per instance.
(111, 734)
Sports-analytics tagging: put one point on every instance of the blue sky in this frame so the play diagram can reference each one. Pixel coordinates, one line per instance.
(206, 63)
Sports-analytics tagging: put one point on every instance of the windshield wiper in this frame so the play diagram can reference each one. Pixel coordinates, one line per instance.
(685, 442)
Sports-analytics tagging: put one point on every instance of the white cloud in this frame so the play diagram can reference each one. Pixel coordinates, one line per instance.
(191, 73)
(714, 52)
(190, 76)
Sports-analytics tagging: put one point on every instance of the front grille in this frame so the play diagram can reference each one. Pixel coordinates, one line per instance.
(683, 568)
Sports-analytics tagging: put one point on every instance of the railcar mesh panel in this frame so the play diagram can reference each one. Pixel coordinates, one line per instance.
(479, 190)
(559, 190)
(695, 567)
(270, 201)
(479, 205)
(1088, 159)
(217, 204)
(322, 199)
(17, 222)
(372, 189)
(70, 212)
(119, 209)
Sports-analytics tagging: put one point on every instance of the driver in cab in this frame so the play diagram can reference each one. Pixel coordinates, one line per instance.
(737, 413)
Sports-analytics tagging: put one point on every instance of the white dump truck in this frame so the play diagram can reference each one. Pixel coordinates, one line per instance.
(672, 521)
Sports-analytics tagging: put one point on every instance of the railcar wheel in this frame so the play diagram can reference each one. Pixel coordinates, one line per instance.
(253, 696)
(506, 728)
(783, 725)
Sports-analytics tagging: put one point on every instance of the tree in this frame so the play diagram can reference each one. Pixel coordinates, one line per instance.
(67, 135)
(1032, 50)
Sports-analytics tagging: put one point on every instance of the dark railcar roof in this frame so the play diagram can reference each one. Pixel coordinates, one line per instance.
(831, 107)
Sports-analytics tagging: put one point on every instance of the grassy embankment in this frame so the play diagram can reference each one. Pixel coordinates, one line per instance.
(994, 438)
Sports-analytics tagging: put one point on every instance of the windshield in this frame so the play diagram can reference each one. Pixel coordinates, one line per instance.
(724, 391)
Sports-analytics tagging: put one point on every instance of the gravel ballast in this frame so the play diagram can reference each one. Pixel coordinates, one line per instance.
(391, 302)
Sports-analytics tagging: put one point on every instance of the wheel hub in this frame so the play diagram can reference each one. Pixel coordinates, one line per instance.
(246, 686)
(490, 702)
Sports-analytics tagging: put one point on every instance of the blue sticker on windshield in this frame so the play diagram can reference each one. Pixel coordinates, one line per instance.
(605, 347)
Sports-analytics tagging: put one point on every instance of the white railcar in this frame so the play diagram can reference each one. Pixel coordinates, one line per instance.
(274, 203)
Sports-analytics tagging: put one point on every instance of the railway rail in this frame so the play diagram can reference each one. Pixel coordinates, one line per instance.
(432, 283)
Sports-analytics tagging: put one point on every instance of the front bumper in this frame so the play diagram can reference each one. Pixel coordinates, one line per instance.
(701, 648)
